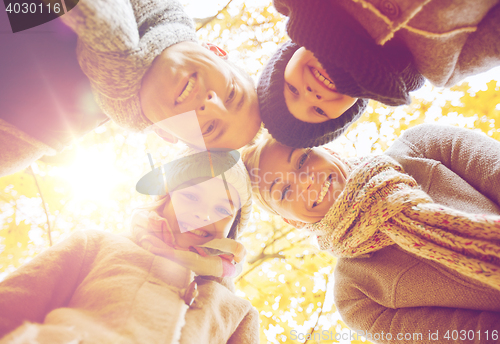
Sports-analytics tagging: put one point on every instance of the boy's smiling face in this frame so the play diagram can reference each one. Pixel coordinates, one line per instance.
(201, 211)
(186, 77)
(300, 184)
(310, 94)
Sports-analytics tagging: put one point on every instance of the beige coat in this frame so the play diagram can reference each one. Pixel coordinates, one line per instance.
(394, 291)
(102, 288)
(449, 39)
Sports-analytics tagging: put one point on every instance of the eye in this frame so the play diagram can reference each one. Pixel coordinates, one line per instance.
(232, 94)
(190, 196)
(303, 158)
(223, 211)
(292, 89)
(319, 111)
(209, 128)
(284, 192)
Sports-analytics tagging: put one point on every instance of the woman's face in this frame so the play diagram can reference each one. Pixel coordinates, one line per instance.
(300, 184)
(187, 77)
(201, 211)
(310, 93)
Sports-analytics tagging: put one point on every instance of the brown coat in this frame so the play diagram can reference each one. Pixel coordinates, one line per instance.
(449, 39)
(98, 287)
(394, 291)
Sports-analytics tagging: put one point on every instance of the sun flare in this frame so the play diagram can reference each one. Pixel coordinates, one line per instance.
(93, 175)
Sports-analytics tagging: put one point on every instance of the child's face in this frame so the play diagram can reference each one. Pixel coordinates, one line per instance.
(300, 184)
(186, 77)
(310, 94)
(201, 212)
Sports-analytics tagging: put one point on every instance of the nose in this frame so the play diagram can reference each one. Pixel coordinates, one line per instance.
(202, 216)
(207, 220)
(312, 94)
(306, 181)
(211, 106)
(307, 193)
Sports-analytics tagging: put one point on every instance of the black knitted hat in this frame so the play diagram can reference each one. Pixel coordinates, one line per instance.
(280, 123)
(357, 65)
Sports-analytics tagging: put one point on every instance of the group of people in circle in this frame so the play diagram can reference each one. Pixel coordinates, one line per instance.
(416, 230)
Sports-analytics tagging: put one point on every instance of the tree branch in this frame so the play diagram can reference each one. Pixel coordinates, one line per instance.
(54, 223)
(261, 258)
(122, 146)
(277, 238)
(44, 206)
(311, 331)
(264, 256)
(19, 210)
(205, 21)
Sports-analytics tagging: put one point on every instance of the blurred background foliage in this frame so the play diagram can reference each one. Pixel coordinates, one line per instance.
(91, 185)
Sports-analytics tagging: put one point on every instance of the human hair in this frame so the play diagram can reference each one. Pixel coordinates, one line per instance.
(240, 70)
(247, 76)
(158, 205)
(257, 136)
(250, 154)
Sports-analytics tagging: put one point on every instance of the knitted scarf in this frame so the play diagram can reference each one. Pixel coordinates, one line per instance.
(218, 257)
(381, 205)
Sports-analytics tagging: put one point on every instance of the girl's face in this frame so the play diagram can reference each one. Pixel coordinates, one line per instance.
(310, 93)
(300, 184)
(201, 211)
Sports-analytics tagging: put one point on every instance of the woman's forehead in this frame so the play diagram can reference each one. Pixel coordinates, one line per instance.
(275, 157)
(273, 165)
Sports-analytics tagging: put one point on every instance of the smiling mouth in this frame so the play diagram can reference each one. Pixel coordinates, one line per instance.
(198, 232)
(187, 89)
(322, 79)
(324, 190)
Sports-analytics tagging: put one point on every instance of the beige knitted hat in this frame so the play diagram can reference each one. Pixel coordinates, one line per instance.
(117, 45)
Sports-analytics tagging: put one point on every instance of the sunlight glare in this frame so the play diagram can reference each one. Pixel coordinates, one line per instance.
(93, 175)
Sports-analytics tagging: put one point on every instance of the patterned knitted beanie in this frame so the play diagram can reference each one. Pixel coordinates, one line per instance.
(357, 65)
(280, 123)
(117, 45)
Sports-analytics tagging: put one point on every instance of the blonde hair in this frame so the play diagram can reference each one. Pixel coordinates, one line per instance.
(250, 155)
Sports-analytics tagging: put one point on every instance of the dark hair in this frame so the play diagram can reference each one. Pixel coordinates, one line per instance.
(233, 232)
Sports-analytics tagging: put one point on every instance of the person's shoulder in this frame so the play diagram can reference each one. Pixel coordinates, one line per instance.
(93, 238)
(389, 257)
(423, 138)
(437, 137)
(427, 130)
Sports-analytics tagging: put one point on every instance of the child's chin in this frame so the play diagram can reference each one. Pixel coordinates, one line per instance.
(190, 239)
(323, 208)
